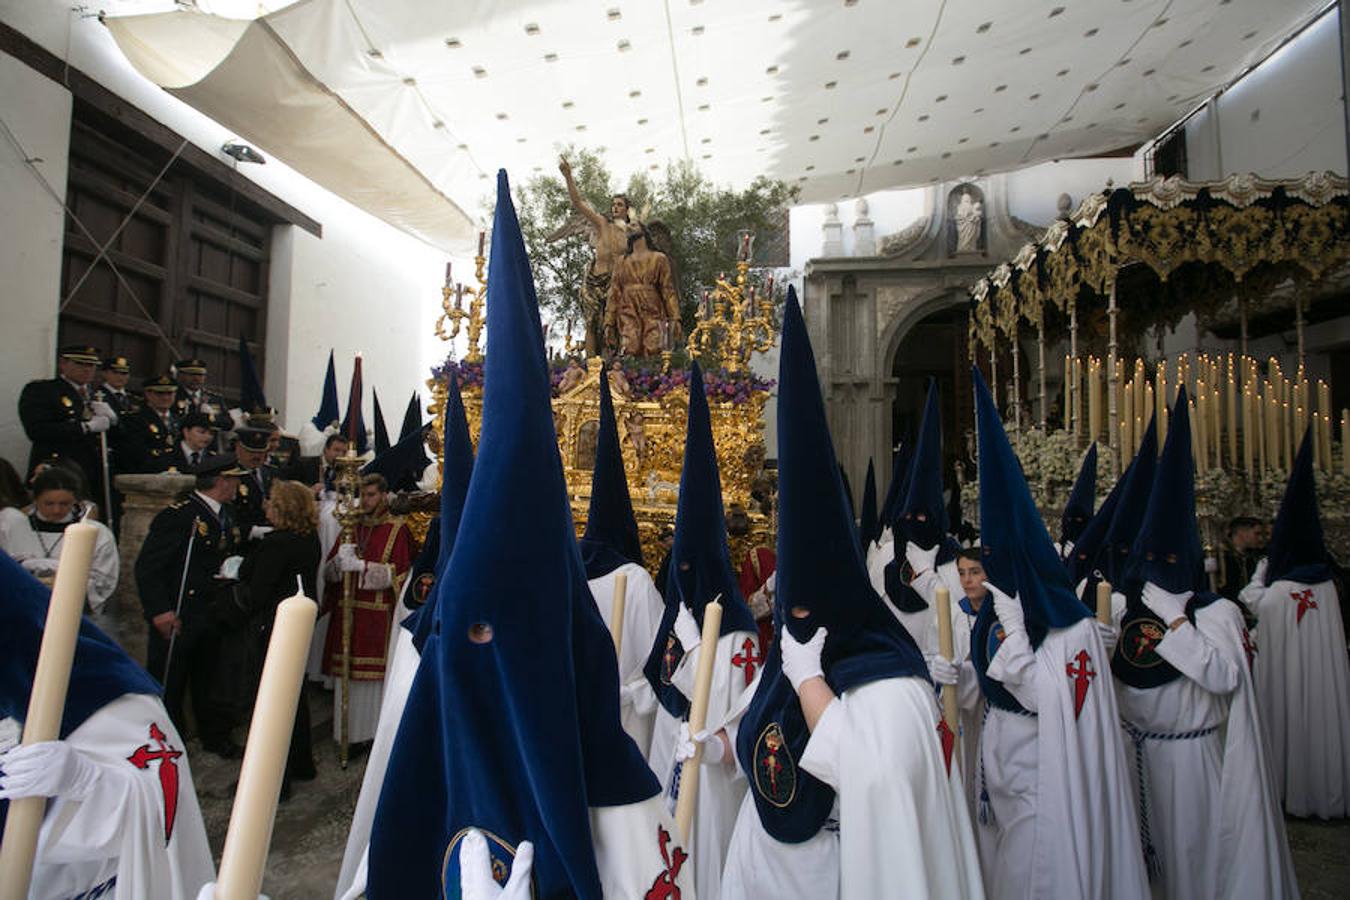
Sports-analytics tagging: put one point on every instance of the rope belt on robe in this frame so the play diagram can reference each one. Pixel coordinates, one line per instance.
(1139, 736)
(984, 813)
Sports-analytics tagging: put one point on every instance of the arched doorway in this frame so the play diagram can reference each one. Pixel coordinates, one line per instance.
(934, 347)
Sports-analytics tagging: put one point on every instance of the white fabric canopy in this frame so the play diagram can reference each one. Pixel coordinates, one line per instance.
(406, 107)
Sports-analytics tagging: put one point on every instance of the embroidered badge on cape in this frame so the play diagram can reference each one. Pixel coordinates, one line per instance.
(673, 858)
(1139, 642)
(775, 772)
(1081, 673)
(670, 658)
(165, 755)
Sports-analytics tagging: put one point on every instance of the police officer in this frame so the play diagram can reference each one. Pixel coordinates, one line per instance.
(193, 395)
(252, 448)
(150, 434)
(113, 391)
(196, 444)
(190, 543)
(63, 421)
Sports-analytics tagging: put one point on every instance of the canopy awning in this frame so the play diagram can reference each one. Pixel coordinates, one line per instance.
(405, 107)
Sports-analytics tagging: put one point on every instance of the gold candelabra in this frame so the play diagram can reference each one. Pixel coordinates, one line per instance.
(453, 314)
(733, 321)
(347, 512)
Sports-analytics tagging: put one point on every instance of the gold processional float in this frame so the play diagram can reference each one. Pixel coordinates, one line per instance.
(1225, 251)
(651, 401)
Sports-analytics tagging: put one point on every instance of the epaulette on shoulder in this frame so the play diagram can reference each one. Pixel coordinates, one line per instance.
(178, 504)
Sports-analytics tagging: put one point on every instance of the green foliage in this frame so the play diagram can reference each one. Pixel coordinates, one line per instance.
(703, 220)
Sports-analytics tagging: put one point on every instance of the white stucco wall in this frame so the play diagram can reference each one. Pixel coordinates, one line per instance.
(37, 113)
(364, 287)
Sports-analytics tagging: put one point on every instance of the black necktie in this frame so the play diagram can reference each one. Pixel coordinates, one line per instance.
(196, 458)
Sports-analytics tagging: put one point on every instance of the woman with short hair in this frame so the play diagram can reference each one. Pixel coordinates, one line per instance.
(35, 539)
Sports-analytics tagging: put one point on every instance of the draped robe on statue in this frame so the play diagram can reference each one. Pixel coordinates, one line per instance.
(388, 548)
(641, 299)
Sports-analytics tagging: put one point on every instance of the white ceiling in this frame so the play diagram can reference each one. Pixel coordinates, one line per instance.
(842, 97)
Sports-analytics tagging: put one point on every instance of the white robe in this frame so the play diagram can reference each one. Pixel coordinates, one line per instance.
(643, 608)
(1064, 822)
(721, 786)
(760, 867)
(113, 839)
(903, 825)
(1303, 685)
(21, 541)
(969, 699)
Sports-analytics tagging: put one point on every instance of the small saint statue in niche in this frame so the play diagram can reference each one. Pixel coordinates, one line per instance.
(967, 221)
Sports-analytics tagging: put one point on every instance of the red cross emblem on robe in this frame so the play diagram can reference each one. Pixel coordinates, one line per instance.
(165, 755)
(673, 858)
(1305, 601)
(747, 658)
(1081, 673)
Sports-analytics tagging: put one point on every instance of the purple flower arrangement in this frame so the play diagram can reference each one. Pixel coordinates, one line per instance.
(648, 380)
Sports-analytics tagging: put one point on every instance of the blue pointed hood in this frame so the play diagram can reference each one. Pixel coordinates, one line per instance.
(412, 416)
(354, 424)
(251, 396)
(848, 493)
(1019, 557)
(923, 513)
(1090, 553)
(456, 469)
(1166, 549)
(382, 444)
(611, 538)
(868, 526)
(700, 562)
(101, 672)
(820, 570)
(517, 732)
(1298, 550)
(1078, 508)
(1114, 556)
(328, 405)
(899, 486)
(402, 464)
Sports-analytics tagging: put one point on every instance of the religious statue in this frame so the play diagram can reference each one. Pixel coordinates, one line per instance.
(642, 314)
(969, 218)
(609, 238)
(572, 376)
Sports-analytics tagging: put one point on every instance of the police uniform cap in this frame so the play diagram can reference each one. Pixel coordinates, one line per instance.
(161, 383)
(196, 420)
(191, 365)
(117, 364)
(82, 353)
(223, 464)
(253, 438)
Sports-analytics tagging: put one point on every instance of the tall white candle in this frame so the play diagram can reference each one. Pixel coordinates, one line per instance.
(269, 740)
(47, 700)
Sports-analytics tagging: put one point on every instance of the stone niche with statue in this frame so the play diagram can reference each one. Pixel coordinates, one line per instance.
(651, 402)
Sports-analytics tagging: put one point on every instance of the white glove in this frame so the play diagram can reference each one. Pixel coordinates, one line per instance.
(1109, 635)
(258, 532)
(686, 629)
(208, 892)
(1259, 573)
(97, 424)
(39, 565)
(475, 871)
(99, 408)
(802, 661)
(919, 559)
(1211, 565)
(639, 695)
(229, 568)
(1168, 606)
(351, 564)
(46, 769)
(1008, 609)
(347, 551)
(713, 747)
(942, 670)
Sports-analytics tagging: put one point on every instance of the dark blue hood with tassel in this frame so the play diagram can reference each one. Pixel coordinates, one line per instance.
(328, 404)
(1078, 508)
(1298, 550)
(1090, 553)
(611, 538)
(869, 528)
(700, 562)
(820, 570)
(512, 722)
